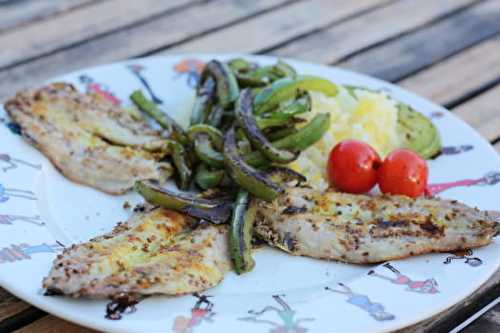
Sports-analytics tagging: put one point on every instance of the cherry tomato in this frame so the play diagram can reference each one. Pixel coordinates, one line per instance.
(403, 172)
(352, 166)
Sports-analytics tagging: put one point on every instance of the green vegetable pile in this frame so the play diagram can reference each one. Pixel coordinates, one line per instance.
(243, 127)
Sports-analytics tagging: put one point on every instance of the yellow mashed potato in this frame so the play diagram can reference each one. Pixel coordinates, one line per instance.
(371, 117)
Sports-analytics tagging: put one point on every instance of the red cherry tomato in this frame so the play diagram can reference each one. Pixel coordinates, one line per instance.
(403, 172)
(352, 166)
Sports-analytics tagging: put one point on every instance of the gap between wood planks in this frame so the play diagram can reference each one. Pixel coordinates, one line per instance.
(168, 31)
(134, 40)
(271, 29)
(408, 55)
(338, 42)
(75, 27)
(18, 13)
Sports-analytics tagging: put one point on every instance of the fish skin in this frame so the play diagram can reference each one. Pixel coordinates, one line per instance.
(364, 229)
(154, 252)
(89, 140)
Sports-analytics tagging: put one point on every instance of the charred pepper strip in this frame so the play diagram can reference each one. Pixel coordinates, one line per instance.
(302, 139)
(215, 117)
(206, 153)
(240, 65)
(240, 233)
(203, 102)
(181, 163)
(216, 136)
(307, 135)
(226, 84)
(206, 178)
(281, 133)
(244, 115)
(299, 106)
(244, 175)
(163, 119)
(215, 210)
(283, 69)
(287, 88)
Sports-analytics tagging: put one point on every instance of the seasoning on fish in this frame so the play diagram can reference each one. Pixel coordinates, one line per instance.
(365, 229)
(87, 138)
(154, 252)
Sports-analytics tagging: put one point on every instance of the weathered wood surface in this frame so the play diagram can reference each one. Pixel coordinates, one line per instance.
(17, 13)
(415, 51)
(446, 50)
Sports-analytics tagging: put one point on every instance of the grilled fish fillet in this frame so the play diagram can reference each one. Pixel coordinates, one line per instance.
(155, 252)
(88, 139)
(369, 229)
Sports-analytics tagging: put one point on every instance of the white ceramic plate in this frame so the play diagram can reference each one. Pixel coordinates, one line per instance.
(41, 211)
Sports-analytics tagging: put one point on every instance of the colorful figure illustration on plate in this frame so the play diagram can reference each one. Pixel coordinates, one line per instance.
(7, 193)
(427, 286)
(465, 255)
(137, 70)
(201, 312)
(288, 323)
(25, 251)
(91, 86)
(10, 219)
(376, 310)
(191, 68)
(454, 150)
(8, 163)
(490, 179)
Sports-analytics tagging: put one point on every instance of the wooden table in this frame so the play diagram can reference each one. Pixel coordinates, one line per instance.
(445, 50)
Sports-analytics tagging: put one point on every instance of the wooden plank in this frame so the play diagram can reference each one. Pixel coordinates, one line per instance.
(76, 26)
(397, 59)
(452, 79)
(270, 29)
(10, 305)
(482, 113)
(156, 33)
(339, 41)
(489, 322)
(16, 13)
(51, 324)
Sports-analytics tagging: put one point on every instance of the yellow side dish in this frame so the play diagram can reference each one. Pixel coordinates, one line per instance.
(359, 114)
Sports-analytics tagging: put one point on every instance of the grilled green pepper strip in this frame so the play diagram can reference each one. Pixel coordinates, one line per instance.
(203, 102)
(181, 163)
(299, 106)
(226, 84)
(206, 153)
(214, 210)
(240, 233)
(244, 175)
(206, 178)
(240, 65)
(246, 80)
(281, 133)
(283, 69)
(215, 117)
(216, 136)
(288, 88)
(163, 119)
(243, 111)
(305, 137)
